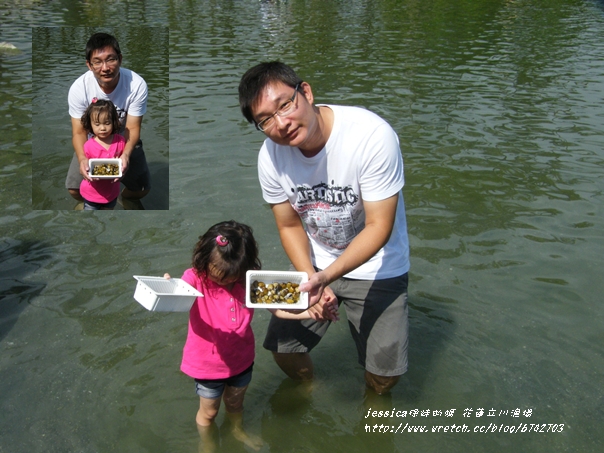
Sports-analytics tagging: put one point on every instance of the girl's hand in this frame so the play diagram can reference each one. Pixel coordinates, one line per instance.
(327, 307)
(330, 307)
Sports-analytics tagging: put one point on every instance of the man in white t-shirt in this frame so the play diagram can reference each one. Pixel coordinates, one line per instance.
(333, 177)
(106, 79)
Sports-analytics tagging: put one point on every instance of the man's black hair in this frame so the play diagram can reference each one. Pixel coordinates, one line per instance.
(257, 78)
(100, 40)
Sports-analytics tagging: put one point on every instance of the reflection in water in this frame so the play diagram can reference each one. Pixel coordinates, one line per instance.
(498, 108)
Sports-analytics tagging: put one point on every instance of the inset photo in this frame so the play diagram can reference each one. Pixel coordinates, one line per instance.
(100, 118)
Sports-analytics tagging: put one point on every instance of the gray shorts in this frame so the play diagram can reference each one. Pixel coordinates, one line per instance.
(377, 315)
(136, 179)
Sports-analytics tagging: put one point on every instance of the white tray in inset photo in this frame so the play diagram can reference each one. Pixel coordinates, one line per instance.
(99, 162)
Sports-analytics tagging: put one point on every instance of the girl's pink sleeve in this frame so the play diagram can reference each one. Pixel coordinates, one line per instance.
(189, 277)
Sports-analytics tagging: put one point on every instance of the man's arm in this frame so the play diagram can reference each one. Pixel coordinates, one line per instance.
(293, 237)
(78, 138)
(295, 243)
(379, 222)
(132, 134)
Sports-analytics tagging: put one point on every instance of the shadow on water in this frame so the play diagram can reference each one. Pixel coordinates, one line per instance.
(291, 403)
(18, 260)
(430, 328)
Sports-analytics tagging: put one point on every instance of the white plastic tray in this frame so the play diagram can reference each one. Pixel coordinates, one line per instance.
(162, 294)
(276, 277)
(93, 162)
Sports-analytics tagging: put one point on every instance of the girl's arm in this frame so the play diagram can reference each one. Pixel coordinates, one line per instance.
(289, 315)
(329, 306)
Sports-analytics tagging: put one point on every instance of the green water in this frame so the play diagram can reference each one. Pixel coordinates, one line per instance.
(498, 106)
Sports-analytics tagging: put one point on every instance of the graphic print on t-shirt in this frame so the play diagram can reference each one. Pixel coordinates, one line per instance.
(328, 212)
(121, 113)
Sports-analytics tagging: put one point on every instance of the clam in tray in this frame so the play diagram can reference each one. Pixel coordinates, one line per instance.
(276, 289)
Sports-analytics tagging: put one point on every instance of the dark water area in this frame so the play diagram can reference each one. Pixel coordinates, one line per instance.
(498, 107)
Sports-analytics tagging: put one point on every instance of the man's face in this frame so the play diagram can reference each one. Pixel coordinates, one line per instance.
(105, 64)
(295, 128)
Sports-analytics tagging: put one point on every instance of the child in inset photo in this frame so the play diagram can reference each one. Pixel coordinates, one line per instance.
(220, 347)
(101, 120)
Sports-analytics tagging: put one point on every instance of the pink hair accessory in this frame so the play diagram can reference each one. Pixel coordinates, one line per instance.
(222, 241)
(94, 100)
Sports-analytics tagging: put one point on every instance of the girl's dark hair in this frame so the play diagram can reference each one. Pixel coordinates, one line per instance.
(99, 41)
(95, 110)
(257, 78)
(234, 259)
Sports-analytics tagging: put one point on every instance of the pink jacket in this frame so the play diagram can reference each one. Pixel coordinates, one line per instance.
(104, 190)
(220, 342)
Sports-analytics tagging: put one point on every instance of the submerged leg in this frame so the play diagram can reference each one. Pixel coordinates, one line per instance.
(233, 404)
(75, 193)
(208, 409)
(381, 384)
(297, 365)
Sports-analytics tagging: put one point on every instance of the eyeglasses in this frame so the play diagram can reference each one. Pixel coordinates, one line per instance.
(286, 108)
(110, 62)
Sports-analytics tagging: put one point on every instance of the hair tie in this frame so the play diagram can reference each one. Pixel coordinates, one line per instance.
(222, 241)
(94, 100)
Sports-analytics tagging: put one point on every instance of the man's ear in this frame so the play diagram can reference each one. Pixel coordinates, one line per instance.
(306, 90)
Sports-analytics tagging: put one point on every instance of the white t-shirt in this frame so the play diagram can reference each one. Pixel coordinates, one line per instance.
(129, 96)
(361, 161)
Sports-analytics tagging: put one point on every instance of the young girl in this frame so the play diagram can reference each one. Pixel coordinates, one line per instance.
(102, 121)
(219, 351)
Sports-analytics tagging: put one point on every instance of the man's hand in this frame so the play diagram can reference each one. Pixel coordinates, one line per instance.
(315, 286)
(84, 169)
(125, 158)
